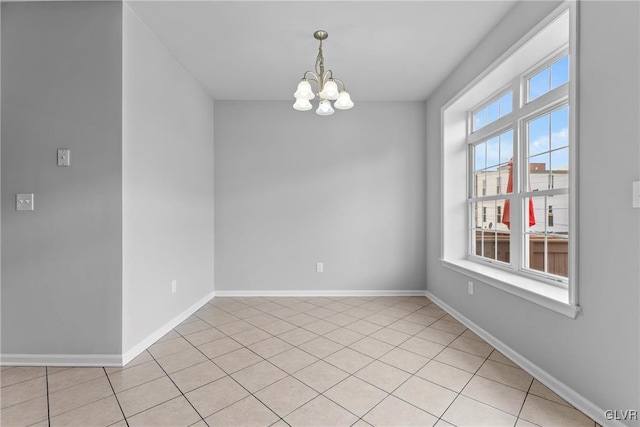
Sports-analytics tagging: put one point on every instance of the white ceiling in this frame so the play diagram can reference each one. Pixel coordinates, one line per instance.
(382, 50)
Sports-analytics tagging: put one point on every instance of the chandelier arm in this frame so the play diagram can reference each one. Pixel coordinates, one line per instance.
(339, 81)
(314, 78)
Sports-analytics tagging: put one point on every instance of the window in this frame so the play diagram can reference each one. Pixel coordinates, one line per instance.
(551, 77)
(508, 207)
(530, 149)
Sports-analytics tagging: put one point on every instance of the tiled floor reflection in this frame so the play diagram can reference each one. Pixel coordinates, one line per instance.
(375, 361)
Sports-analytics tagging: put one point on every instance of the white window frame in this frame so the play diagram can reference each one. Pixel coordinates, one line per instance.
(457, 120)
(522, 112)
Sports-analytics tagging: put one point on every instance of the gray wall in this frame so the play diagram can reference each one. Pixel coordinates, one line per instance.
(597, 353)
(294, 188)
(167, 144)
(61, 264)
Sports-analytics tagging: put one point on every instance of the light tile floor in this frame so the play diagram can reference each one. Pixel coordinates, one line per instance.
(379, 361)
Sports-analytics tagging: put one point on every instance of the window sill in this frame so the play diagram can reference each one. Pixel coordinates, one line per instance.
(547, 296)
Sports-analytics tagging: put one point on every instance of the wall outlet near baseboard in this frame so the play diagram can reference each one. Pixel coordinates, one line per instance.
(470, 287)
(174, 286)
(320, 267)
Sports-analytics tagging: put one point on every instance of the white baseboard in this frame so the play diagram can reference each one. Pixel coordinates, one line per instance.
(99, 360)
(164, 329)
(61, 360)
(571, 396)
(321, 293)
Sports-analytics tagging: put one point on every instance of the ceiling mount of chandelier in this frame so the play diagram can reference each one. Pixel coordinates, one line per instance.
(327, 87)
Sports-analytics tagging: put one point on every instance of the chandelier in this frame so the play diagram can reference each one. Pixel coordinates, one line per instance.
(327, 86)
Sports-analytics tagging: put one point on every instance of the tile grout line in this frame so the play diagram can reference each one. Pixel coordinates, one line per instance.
(525, 399)
(229, 375)
(378, 359)
(414, 375)
(175, 385)
(116, 396)
(46, 380)
(363, 367)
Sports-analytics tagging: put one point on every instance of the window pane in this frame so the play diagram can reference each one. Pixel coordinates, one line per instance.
(547, 241)
(536, 258)
(506, 178)
(493, 111)
(492, 182)
(477, 243)
(539, 84)
(503, 247)
(560, 168)
(558, 211)
(476, 215)
(497, 108)
(506, 147)
(538, 131)
(493, 152)
(480, 156)
(560, 160)
(560, 128)
(506, 104)
(489, 244)
(558, 255)
(491, 237)
(560, 72)
(480, 119)
(489, 215)
(539, 172)
(534, 213)
(549, 254)
(479, 183)
(503, 213)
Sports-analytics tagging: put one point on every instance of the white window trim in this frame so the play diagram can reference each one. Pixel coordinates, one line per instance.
(454, 241)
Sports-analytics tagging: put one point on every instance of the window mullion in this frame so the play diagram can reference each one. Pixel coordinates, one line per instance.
(515, 234)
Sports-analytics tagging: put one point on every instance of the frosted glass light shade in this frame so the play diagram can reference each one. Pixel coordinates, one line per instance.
(344, 101)
(324, 109)
(304, 91)
(302, 105)
(330, 91)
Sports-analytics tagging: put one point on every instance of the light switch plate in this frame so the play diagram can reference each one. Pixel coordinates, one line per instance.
(636, 194)
(24, 202)
(64, 157)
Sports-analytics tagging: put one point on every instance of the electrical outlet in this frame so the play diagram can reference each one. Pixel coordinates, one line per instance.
(24, 202)
(470, 287)
(320, 267)
(64, 157)
(174, 286)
